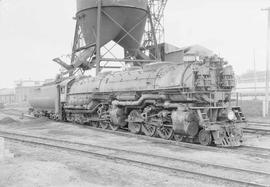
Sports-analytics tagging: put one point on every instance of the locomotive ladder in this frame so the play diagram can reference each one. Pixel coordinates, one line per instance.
(239, 114)
(203, 117)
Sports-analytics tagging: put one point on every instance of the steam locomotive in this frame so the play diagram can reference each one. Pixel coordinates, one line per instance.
(184, 101)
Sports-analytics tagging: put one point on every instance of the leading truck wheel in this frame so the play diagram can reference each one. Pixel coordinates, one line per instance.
(205, 137)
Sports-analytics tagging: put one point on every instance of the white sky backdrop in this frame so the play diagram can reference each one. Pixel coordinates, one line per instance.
(32, 32)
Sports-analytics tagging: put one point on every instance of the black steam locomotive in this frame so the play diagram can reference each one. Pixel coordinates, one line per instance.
(184, 101)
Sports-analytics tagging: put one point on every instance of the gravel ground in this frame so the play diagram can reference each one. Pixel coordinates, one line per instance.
(35, 166)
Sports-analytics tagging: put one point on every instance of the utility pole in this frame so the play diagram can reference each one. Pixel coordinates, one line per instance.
(267, 63)
(255, 73)
(98, 55)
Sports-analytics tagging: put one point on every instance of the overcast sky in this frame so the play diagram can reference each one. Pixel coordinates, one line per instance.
(33, 32)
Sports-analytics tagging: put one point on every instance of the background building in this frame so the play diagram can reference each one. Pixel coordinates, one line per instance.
(185, 54)
(251, 84)
(7, 96)
(24, 89)
(251, 87)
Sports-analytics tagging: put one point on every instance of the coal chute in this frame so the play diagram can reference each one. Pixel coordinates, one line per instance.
(122, 21)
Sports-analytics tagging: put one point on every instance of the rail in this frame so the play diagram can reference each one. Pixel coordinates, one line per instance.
(218, 173)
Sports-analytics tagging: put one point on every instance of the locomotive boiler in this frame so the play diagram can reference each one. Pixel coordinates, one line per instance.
(184, 101)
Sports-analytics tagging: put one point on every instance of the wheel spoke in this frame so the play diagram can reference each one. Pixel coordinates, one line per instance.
(114, 127)
(149, 130)
(165, 133)
(104, 125)
(134, 127)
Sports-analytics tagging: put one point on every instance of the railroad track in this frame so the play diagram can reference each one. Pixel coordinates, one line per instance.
(246, 130)
(16, 113)
(251, 129)
(255, 151)
(257, 131)
(257, 128)
(263, 124)
(245, 150)
(177, 166)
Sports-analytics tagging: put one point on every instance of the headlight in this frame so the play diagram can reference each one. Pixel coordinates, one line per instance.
(231, 115)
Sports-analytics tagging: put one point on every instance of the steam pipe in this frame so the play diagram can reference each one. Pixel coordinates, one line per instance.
(168, 104)
(138, 102)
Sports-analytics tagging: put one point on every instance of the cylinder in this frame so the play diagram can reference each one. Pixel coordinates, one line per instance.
(185, 123)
